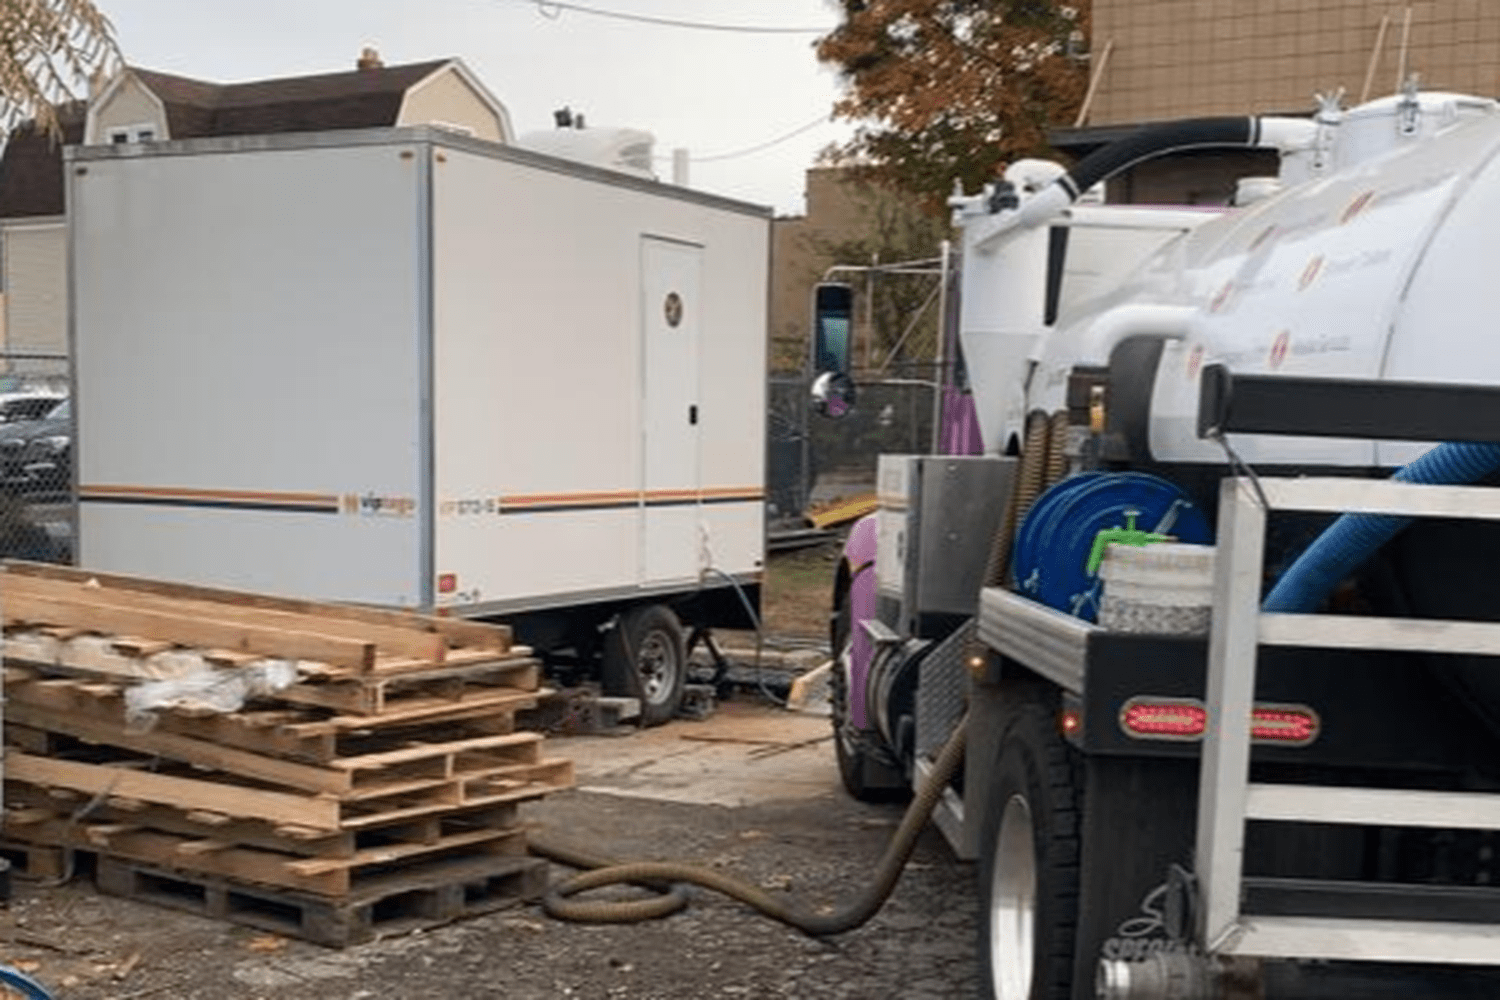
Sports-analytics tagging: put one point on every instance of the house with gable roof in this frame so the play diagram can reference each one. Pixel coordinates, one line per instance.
(140, 106)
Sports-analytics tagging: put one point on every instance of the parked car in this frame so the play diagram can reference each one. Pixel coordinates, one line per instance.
(28, 405)
(36, 456)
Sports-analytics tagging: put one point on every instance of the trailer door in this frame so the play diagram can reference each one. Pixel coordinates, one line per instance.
(670, 307)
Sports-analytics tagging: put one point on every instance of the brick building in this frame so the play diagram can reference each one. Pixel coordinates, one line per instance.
(1170, 59)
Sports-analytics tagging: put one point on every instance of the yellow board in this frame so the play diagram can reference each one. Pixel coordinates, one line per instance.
(842, 511)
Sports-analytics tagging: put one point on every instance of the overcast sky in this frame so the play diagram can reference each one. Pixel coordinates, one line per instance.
(712, 92)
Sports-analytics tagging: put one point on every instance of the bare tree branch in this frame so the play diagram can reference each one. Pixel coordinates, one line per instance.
(49, 50)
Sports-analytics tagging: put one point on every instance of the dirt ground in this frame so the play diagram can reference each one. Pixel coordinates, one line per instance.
(798, 588)
(753, 791)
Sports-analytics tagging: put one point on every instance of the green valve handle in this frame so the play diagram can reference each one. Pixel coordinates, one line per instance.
(1128, 535)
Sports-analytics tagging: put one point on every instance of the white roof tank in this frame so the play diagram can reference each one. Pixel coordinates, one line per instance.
(627, 150)
(1381, 268)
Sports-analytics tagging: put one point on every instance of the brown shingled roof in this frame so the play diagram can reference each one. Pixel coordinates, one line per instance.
(363, 98)
(31, 179)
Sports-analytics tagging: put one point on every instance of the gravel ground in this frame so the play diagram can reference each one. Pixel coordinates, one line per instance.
(819, 848)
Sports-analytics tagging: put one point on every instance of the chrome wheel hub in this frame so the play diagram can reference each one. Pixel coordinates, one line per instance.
(1013, 903)
(656, 663)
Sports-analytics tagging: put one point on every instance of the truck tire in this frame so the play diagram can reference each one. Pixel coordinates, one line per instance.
(1029, 858)
(868, 774)
(645, 657)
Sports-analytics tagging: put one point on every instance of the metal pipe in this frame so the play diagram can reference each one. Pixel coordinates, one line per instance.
(1405, 47)
(940, 375)
(1385, 23)
(1088, 99)
(921, 311)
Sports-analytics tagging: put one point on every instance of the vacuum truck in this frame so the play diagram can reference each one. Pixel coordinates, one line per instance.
(1215, 605)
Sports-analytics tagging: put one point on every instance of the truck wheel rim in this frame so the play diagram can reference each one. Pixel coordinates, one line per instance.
(1013, 903)
(657, 665)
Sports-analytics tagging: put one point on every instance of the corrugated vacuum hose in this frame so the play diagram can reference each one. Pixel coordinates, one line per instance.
(668, 877)
(1043, 462)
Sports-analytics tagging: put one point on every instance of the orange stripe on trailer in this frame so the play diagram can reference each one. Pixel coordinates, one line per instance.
(184, 493)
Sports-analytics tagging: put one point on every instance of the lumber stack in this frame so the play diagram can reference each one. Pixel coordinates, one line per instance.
(327, 771)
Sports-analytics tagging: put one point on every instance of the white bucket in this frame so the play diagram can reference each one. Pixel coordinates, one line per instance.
(1163, 589)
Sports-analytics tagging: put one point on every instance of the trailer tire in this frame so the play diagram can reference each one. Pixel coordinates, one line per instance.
(1029, 857)
(868, 774)
(645, 657)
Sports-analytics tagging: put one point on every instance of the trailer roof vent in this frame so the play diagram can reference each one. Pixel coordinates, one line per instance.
(626, 150)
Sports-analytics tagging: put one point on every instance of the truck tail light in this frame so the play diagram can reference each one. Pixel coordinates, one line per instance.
(1187, 719)
(1165, 720)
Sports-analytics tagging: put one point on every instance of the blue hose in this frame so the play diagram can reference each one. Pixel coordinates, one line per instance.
(1353, 538)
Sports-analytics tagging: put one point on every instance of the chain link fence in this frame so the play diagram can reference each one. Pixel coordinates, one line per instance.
(36, 458)
(812, 458)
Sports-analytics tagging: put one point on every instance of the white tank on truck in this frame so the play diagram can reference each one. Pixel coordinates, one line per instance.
(1144, 374)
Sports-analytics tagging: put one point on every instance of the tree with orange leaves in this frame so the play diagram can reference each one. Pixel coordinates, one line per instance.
(954, 89)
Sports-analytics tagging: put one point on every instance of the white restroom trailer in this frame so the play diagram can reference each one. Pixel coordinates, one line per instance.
(410, 368)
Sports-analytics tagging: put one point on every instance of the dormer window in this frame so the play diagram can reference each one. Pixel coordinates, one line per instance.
(132, 133)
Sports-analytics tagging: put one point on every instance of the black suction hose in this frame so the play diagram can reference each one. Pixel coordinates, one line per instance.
(661, 875)
(1159, 140)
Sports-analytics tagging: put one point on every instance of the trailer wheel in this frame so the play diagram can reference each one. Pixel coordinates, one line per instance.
(1029, 856)
(868, 774)
(645, 658)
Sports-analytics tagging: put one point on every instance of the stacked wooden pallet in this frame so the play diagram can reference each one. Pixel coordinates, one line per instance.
(370, 782)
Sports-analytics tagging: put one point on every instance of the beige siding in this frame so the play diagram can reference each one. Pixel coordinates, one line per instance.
(131, 104)
(36, 288)
(448, 99)
(1183, 58)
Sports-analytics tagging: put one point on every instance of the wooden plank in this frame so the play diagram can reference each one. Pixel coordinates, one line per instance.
(246, 731)
(194, 848)
(428, 710)
(458, 631)
(183, 793)
(503, 782)
(143, 648)
(527, 744)
(306, 777)
(389, 640)
(272, 734)
(399, 852)
(409, 899)
(290, 839)
(376, 697)
(254, 865)
(236, 636)
(455, 658)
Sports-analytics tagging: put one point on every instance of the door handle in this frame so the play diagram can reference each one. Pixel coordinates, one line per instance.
(693, 414)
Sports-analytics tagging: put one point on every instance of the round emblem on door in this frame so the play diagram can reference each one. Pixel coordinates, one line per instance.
(673, 309)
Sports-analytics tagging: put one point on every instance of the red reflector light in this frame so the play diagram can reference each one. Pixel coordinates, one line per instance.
(1070, 721)
(447, 583)
(1187, 719)
(1173, 720)
(1284, 724)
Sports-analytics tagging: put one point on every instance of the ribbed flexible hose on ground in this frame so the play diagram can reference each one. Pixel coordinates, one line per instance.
(656, 874)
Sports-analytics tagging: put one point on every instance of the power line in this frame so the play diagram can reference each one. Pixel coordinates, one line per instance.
(554, 8)
(820, 120)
